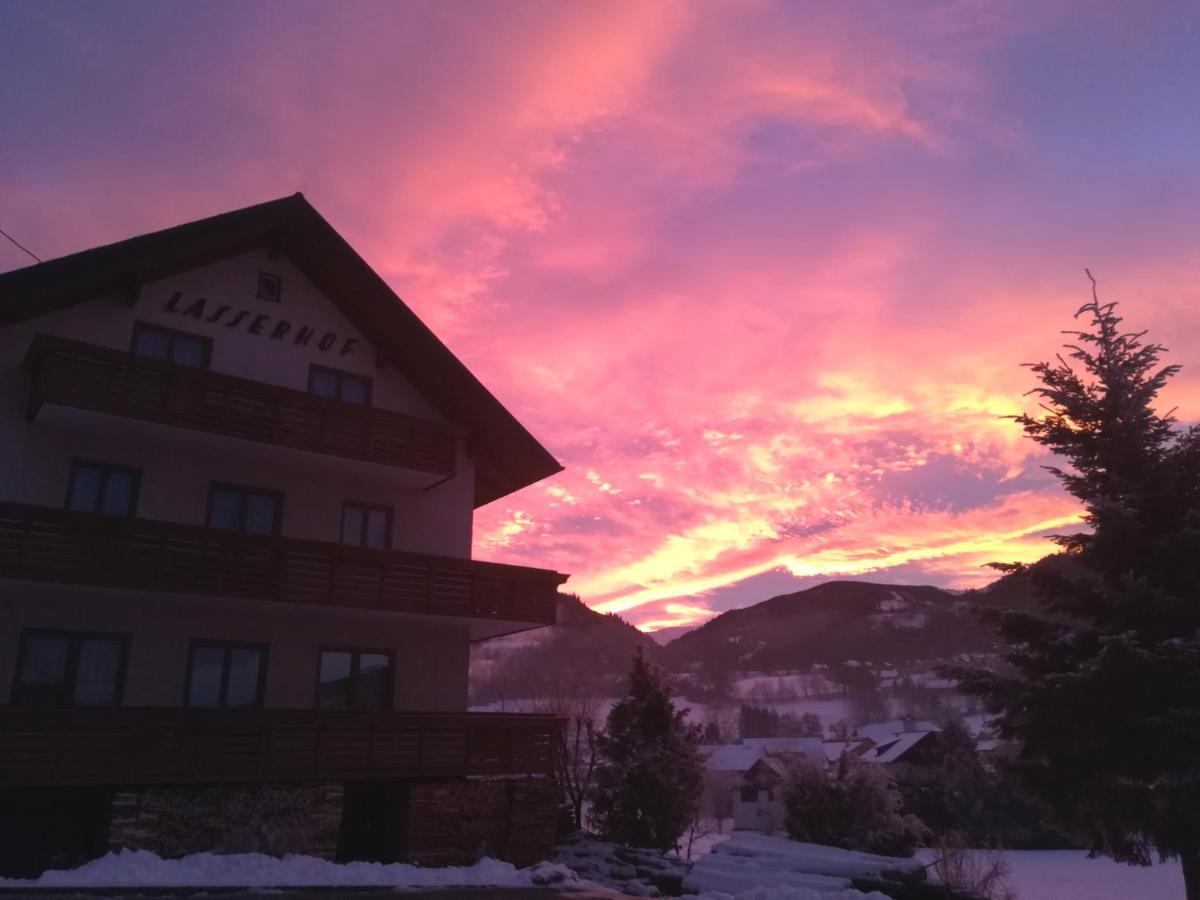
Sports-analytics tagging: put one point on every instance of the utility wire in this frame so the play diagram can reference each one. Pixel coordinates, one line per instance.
(17, 243)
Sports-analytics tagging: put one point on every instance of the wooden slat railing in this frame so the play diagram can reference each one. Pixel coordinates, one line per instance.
(40, 543)
(100, 379)
(142, 745)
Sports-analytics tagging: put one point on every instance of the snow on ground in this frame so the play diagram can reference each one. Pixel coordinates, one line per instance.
(828, 709)
(631, 870)
(750, 862)
(781, 892)
(702, 844)
(1059, 874)
(141, 868)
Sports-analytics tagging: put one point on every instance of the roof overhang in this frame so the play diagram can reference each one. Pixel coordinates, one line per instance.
(507, 456)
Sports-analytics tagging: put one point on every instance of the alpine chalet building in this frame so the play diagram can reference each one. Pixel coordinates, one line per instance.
(236, 588)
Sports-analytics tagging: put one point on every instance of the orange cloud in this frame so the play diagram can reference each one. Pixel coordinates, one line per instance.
(761, 274)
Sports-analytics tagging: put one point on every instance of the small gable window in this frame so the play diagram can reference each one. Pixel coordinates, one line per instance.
(338, 385)
(153, 342)
(270, 287)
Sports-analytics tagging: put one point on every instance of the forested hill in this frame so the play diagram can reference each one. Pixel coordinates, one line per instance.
(584, 648)
(835, 622)
(845, 620)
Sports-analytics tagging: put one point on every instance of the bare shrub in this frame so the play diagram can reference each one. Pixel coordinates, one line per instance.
(977, 873)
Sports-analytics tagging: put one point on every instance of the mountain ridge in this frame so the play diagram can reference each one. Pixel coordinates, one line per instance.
(832, 623)
(841, 620)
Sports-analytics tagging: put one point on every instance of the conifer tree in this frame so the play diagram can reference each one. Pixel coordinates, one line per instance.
(1102, 686)
(650, 776)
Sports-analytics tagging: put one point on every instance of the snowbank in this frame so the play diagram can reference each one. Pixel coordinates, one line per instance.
(141, 868)
(630, 870)
(757, 867)
(791, 893)
(1055, 874)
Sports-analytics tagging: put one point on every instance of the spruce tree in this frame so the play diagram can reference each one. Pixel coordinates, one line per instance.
(1102, 684)
(650, 776)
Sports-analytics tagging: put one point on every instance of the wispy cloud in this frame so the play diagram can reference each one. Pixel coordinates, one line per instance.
(761, 274)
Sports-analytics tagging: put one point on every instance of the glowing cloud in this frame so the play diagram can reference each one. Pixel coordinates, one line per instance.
(760, 274)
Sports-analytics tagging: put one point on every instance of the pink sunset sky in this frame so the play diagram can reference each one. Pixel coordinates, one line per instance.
(761, 275)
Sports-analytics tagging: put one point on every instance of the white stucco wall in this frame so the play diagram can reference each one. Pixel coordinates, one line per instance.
(431, 656)
(764, 814)
(178, 464)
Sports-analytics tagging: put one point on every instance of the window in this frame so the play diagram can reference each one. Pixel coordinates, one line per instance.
(367, 525)
(225, 674)
(270, 287)
(338, 385)
(169, 345)
(354, 679)
(237, 508)
(749, 793)
(102, 488)
(64, 668)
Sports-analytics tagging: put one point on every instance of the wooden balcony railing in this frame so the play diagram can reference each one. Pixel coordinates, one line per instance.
(40, 543)
(142, 745)
(100, 379)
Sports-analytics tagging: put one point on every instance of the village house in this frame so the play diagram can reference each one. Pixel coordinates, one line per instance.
(753, 772)
(236, 587)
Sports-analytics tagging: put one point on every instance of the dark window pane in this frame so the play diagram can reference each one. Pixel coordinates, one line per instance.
(243, 677)
(260, 513)
(118, 493)
(152, 344)
(97, 673)
(323, 384)
(377, 529)
(188, 351)
(334, 689)
(44, 665)
(208, 664)
(225, 508)
(85, 489)
(374, 681)
(269, 286)
(354, 390)
(352, 524)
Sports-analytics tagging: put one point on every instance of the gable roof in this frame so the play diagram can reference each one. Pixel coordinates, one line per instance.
(741, 757)
(898, 747)
(768, 765)
(835, 749)
(881, 731)
(507, 456)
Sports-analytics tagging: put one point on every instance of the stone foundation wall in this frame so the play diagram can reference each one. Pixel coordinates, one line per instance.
(457, 822)
(273, 818)
(440, 823)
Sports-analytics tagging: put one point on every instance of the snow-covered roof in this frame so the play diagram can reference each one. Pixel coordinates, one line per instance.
(730, 757)
(893, 750)
(748, 864)
(809, 746)
(882, 731)
(835, 749)
(776, 764)
(740, 757)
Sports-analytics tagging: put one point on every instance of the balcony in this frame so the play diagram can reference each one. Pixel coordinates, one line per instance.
(143, 746)
(83, 376)
(40, 543)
